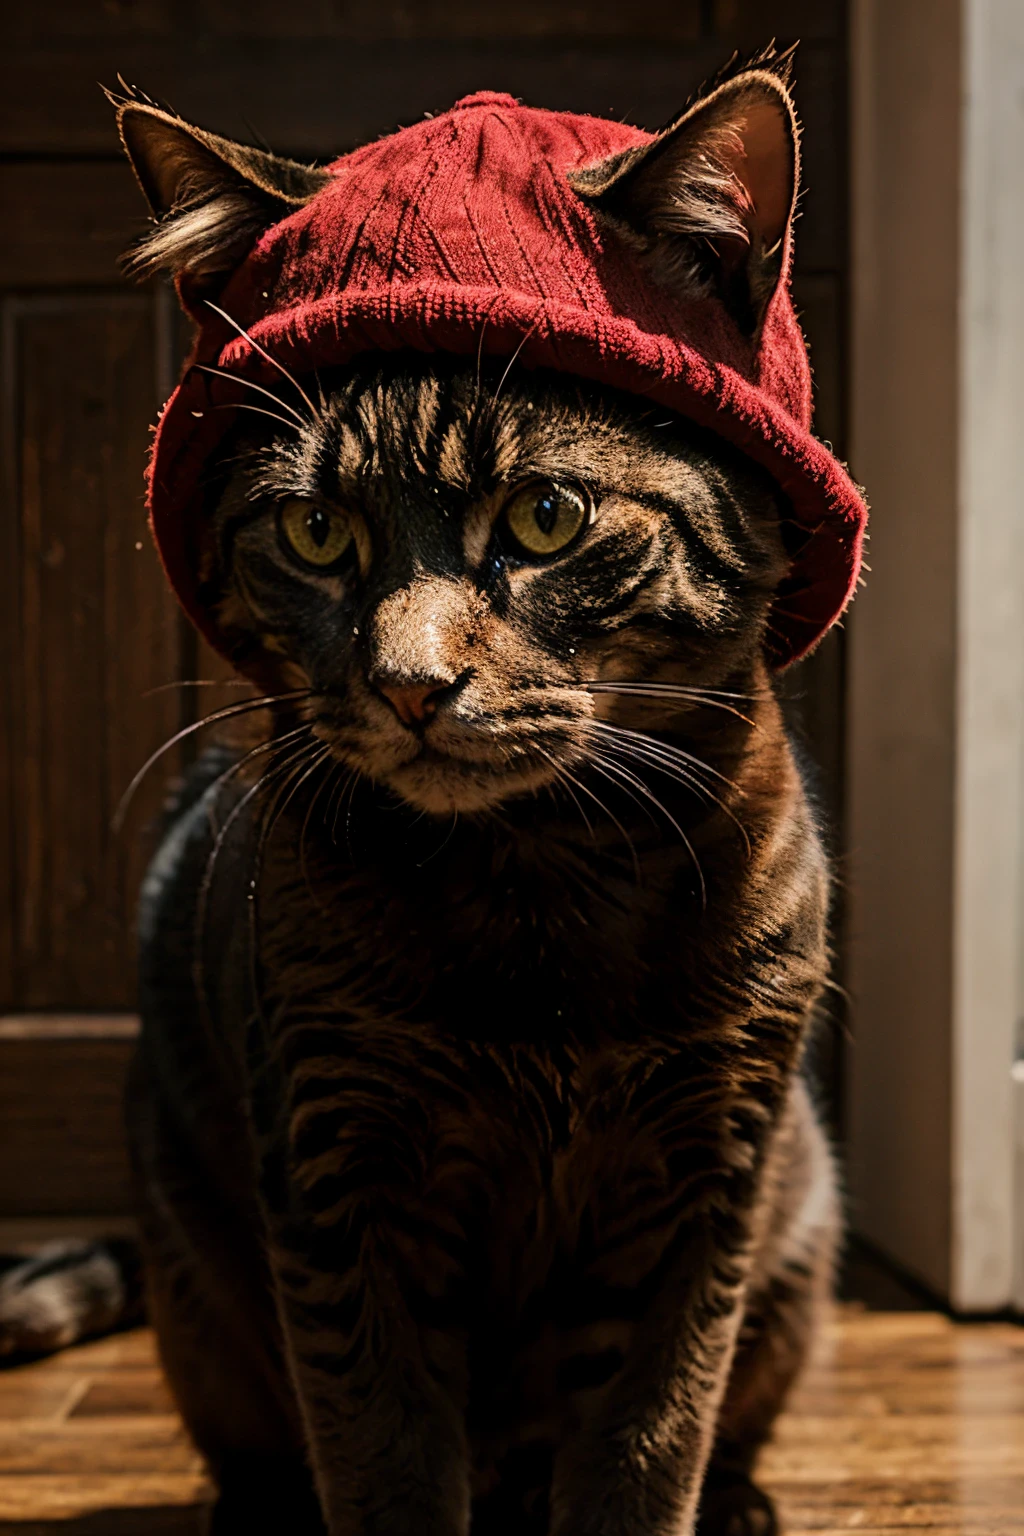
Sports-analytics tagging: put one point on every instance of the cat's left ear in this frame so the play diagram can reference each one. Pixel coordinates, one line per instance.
(709, 202)
(211, 198)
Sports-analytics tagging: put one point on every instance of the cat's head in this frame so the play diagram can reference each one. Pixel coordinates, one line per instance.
(461, 566)
(464, 558)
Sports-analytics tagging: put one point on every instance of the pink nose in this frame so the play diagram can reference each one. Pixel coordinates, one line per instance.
(413, 702)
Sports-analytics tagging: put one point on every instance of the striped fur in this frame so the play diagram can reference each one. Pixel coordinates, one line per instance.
(479, 1184)
(477, 1175)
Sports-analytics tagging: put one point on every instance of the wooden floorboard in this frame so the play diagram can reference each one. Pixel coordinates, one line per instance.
(906, 1423)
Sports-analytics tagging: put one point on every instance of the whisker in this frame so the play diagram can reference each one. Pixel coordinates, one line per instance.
(444, 844)
(349, 803)
(289, 770)
(291, 752)
(599, 763)
(290, 790)
(596, 684)
(667, 692)
(567, 786)
(345, 794)
(511, 363)
(264, 746)
(202, 904)
(257, 410)
(561, 782)
(669, 749)
(198, 682)
(328, 778)
(616, 768)
(341, 783)
(480, 358)
(236, 378)
(263, 353)
(682, 776)
(560, 769)
(689, 770)
(229, 712)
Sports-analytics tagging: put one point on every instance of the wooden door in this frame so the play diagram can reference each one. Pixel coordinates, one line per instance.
(88, 630)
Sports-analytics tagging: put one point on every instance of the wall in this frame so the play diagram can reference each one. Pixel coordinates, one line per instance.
(936, 641)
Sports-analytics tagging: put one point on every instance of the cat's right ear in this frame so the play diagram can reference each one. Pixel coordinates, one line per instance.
(211, 199)
(708, 203)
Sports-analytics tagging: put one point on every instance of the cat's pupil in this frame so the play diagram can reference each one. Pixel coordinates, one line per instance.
(546, 513)
(319, 526)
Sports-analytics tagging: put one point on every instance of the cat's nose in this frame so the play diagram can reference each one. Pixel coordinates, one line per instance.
(416, 702)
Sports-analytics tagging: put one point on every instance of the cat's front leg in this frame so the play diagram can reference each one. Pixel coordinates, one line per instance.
(378, 1391)
(636, 1464)
(707, 1145)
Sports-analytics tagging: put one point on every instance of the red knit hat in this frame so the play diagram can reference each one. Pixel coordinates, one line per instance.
(462, 235)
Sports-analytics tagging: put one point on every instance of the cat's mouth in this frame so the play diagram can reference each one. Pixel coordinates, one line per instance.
(460, 773)
(458, 763)
(443, 785)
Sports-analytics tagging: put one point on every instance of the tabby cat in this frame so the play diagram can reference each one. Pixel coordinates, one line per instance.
(479, 1185)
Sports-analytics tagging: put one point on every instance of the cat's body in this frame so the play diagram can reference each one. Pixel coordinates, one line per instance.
(554, 1163)
(479, 1186)
(499, 1114)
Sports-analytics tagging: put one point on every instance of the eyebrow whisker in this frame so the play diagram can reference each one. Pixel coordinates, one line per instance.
(263, 353)
(236, 378)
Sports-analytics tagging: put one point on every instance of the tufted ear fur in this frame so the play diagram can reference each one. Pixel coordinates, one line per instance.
(710, 200)
(211, 199)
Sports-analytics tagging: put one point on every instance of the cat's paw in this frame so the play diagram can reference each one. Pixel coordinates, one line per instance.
(734, 1506)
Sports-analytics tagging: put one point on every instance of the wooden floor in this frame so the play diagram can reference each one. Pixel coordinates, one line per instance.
(907, 1423)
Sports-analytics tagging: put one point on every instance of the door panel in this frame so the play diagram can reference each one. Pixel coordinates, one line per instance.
(95, 631)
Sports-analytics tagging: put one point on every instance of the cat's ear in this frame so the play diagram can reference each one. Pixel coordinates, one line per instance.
(708, 203)
(211, 199)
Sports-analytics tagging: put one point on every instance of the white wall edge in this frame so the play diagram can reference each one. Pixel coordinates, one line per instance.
(989, 801)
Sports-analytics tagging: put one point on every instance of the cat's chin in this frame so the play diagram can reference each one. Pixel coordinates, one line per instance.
(449, 787)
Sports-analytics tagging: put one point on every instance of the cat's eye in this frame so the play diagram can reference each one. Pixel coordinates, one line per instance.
(319, 536)
(544, 517)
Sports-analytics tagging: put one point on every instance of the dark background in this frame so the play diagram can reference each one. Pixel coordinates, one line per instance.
(89, 631)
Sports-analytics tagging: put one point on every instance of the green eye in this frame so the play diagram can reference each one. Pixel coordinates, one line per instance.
(318, 535)
(544, 517)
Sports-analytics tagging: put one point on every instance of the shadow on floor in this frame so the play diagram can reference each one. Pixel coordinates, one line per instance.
(168, 1520)
(868, 1277)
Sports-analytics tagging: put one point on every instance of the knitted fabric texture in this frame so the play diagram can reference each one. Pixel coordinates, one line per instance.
(461, 235)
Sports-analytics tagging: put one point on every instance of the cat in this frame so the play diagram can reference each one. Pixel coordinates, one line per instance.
(478, 1181)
